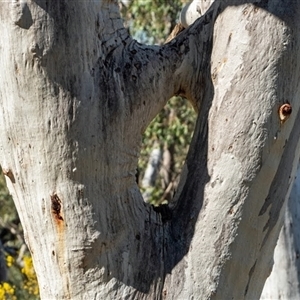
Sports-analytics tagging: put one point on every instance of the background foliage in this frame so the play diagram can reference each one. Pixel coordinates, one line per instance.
(149, 21)
(21, 282)
(171, 131)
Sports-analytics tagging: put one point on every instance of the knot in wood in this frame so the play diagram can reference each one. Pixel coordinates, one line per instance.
(8, 172)
(56, 207)
(285, 111)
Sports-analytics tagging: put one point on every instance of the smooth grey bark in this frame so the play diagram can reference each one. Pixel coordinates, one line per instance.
(76, 94)
(193, 10)
(283, 282)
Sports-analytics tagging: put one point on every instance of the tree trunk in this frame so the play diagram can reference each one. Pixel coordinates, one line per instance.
(76, 94)
(283, 283)
(3, 269)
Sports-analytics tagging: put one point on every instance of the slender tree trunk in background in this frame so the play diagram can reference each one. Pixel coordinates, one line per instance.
(76, 94)
(3, 269)
(283, 283)
(150, 176)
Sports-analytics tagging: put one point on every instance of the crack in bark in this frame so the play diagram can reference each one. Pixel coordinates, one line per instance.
(250, 276)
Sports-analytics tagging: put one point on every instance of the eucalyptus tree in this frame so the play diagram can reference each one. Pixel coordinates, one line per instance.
(77, 92)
